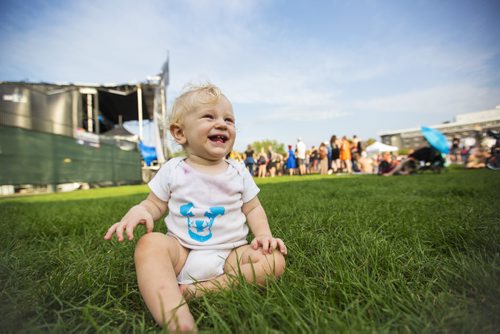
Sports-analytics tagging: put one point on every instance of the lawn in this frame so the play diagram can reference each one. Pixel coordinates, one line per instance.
(366, 254)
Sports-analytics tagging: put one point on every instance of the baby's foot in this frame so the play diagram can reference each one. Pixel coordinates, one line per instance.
(182, 321)
(188, 291)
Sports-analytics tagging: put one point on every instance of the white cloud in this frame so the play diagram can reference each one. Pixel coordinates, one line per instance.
(456, 98)
(303, 115)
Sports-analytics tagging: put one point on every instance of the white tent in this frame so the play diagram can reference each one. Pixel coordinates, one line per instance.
(378, 147)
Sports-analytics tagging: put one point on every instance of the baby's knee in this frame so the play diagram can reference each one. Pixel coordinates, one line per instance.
(274, 264)
(149, 243)
(280, 263)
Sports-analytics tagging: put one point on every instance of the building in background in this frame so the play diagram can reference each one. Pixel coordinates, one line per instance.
(469, 128)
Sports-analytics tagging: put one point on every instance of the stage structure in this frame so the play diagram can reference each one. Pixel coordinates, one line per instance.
(53, 134)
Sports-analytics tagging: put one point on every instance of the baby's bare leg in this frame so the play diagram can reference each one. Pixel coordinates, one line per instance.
(252, 264)
(157, 260)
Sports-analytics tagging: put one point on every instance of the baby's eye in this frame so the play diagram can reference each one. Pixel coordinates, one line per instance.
(229, 120)
(208, 116)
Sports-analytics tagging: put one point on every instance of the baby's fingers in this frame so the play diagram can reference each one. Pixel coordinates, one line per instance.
(149, 224)
(265, 246)
(111, 231)
(119, 231)
(282, 246)
(130, 230)
(274, 244)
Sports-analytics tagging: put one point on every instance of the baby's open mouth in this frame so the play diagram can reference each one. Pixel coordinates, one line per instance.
(218, 138)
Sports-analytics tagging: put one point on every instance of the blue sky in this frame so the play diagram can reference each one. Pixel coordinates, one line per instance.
(291, 68)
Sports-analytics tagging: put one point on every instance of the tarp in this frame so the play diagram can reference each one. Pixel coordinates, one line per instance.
(151, 141)
(33, 157)
(379, 147)
(148, 153)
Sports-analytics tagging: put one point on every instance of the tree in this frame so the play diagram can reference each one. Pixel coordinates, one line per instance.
(277, 147)
(369, 141)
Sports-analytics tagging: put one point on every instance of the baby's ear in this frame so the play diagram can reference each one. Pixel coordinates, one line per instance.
(177, 133)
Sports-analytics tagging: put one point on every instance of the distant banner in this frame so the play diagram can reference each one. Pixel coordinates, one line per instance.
(165, 72)
(86, 138)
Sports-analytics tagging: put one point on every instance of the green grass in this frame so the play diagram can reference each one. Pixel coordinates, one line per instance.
(366, 254)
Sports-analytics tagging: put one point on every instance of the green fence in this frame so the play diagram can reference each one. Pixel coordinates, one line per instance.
(29, 157)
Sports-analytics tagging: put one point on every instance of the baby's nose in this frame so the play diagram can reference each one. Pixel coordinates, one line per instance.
(221, 123)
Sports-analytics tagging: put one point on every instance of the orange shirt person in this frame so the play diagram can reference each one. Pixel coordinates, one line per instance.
(345, 154)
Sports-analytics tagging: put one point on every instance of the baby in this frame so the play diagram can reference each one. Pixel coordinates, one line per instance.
(212, 202)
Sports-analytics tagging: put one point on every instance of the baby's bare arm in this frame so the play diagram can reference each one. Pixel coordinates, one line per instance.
(146, 212)
(259, 225)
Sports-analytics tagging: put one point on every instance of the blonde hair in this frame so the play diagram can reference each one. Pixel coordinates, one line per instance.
(193, 97)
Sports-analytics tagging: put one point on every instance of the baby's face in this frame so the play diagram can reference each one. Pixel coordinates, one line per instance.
(210, 131)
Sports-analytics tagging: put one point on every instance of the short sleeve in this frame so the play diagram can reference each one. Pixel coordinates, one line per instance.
(250, 189)
(161, 182)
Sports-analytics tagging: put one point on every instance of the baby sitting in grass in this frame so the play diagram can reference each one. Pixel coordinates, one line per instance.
(211, 204)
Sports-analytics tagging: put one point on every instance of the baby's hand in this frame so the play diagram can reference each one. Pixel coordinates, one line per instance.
(135, 216)
(268, 244)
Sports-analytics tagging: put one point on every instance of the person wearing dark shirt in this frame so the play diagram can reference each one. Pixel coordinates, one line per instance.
(426, 154)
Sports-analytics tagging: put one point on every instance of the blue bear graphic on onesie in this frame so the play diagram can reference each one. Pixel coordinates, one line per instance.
(201, 230)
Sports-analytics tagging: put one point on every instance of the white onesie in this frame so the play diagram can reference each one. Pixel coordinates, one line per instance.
(205, 213)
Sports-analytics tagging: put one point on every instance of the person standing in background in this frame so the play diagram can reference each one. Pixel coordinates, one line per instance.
(261, 163)
(345, 154)
(323, 159)
(250, 159)
(313, 168)
(290, 161)
(301, 156)
(271, 161)
(335, 145)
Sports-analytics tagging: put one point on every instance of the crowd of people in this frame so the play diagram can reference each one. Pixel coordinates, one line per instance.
(428, 158)
(343, 156)
(339, 156)
(473, 156)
